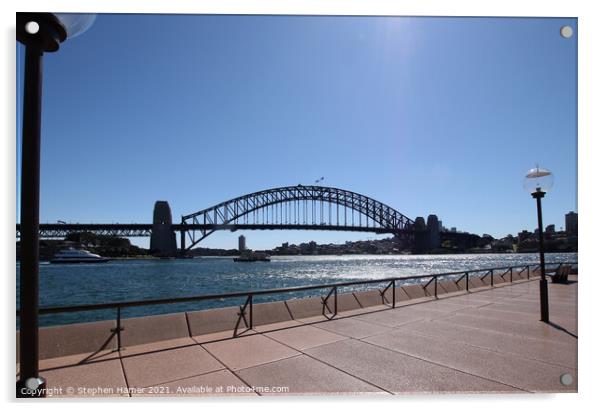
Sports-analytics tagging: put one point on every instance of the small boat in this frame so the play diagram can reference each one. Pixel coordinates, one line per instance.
(73, 256)
(251, 256)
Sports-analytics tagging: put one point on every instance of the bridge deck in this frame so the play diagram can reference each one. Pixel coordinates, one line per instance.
(486, 341)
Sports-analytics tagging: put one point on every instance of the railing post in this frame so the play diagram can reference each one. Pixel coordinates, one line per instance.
(491, 276)
(467, 290)
(118, 328)
(250, 310)
(393, 285)
(528, 272)
(436, 278)
(336, 307)
(510, 274)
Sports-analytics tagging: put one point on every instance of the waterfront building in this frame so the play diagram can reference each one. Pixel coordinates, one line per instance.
(524, 235)
(550, 229)
(242, 243)
(419, 223)
(570, 222)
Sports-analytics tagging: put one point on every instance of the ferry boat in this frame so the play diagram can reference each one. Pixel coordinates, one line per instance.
(251, 256)
(72, 256)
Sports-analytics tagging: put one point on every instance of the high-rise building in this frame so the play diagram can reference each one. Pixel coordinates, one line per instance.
(570, 222)
(432, 226)
(523, 235)
(242, 243)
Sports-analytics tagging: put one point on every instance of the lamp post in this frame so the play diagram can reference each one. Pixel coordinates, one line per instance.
(538, 181)
(39, 32)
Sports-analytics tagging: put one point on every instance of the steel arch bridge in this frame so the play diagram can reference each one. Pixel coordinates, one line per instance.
(296, 207)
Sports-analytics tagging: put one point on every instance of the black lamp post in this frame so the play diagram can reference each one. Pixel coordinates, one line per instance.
(39, 32)
(538, 181)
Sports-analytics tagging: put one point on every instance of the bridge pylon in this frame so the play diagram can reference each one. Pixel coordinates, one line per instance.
(163, 236)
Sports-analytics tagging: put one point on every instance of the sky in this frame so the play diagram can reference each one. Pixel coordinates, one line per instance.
(428, 115)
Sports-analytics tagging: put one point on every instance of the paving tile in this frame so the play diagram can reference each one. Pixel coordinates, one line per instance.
(468, 300)
(98, 379)
(391, 318)
(534, 376)
(514, 316)
(77, 359)
(222, 335)
(489, 294)
(145, 370)
(423, 311)
(547, 351)
(218, 383)
(157, 346)
(276, 326)
(399, 373)
(441, 305)
(351, 327)
(304, 375)
(249, 351)
(361, 311)
(522, 307)
(301, 338)
(316, 319)
(537, 329)
(571, 300)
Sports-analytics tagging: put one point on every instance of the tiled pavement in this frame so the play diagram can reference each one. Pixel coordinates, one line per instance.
(490, 340)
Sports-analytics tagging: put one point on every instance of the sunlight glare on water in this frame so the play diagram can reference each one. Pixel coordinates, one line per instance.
(132, 280)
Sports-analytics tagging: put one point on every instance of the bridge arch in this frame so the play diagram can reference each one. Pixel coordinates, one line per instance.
(289, 208)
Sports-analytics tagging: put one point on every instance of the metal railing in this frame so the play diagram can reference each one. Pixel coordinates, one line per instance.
(247, 307)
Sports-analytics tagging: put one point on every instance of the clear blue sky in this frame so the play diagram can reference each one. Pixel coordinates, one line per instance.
(428, 115)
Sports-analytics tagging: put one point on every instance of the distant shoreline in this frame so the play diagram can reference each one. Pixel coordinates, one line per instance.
(153, 258)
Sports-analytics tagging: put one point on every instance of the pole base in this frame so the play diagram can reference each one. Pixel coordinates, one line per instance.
(543, 298)
(31, 388)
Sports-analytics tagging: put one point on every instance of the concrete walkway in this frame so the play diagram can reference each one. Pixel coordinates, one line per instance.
(487, 341)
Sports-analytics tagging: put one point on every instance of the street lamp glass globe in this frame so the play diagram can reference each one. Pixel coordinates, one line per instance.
(75, 23)
(539, 179)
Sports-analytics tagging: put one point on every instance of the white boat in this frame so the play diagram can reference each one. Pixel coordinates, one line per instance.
(251, 256)
(72, 256)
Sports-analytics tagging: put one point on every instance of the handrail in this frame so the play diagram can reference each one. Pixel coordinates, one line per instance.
(249, 294)
(125, 304)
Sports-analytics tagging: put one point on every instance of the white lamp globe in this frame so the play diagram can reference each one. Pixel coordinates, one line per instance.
(75, 23)
(538, 180)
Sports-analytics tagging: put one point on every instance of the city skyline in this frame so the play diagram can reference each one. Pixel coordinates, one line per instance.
(428, 115)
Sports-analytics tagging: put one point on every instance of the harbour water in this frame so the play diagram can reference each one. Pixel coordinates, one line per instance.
(131, 280)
